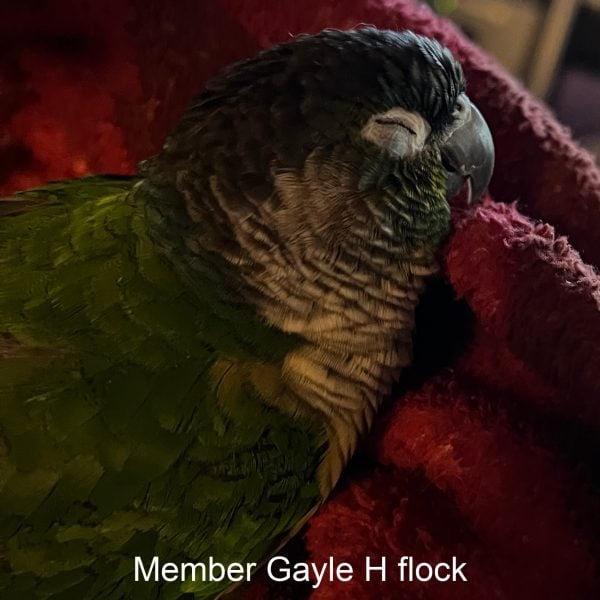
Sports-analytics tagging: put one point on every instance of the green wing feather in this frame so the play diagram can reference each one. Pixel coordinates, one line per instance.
(133, 417)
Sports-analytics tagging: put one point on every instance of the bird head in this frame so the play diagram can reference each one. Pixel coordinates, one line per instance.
(321, 123)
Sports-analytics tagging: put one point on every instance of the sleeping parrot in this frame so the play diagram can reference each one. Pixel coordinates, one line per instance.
(190, 356)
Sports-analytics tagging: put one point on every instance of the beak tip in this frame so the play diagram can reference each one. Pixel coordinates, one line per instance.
(469, 192)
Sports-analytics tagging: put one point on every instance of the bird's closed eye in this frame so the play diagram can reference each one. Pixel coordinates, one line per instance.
(399, 132)
(397, 122)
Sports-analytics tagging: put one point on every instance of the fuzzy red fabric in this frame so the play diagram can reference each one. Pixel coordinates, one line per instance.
(490, 452)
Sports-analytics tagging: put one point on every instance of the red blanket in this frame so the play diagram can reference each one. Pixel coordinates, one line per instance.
(490, 452)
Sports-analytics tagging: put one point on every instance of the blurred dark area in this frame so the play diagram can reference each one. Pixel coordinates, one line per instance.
(88, 86)
(576, 93)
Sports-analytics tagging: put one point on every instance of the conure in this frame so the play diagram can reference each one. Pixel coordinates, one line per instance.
(190, 356)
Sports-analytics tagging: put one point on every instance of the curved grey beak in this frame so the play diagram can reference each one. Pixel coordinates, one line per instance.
(468, 156)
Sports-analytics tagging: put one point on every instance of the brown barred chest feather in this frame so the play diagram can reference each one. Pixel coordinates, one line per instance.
(359, 338)
(352, 297)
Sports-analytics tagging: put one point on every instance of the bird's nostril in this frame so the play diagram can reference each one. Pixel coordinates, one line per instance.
(461, 107)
